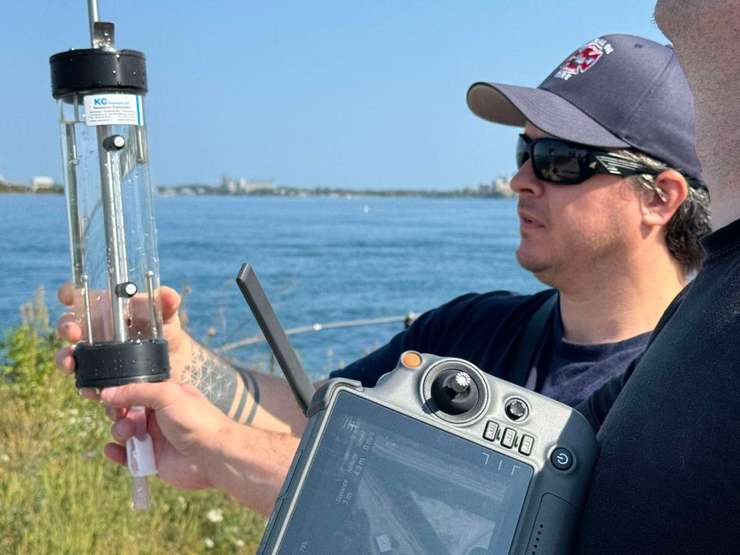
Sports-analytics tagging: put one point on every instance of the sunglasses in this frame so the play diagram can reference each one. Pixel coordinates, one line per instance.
(563, 163)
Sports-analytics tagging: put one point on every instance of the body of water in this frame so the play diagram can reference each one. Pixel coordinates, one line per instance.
(319, 260)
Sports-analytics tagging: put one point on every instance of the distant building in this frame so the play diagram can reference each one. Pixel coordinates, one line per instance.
(499, 187)
(485, 190)
(229, 185)
(502, 186)
(245, 186)
(41, 183)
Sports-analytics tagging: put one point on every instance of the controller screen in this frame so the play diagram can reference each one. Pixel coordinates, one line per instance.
(383, 482)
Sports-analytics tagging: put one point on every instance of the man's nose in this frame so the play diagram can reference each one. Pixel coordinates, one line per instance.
(525, 182)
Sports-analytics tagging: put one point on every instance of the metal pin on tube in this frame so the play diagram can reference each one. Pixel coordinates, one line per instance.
(150, 294)
(141, 147)
(86, 305)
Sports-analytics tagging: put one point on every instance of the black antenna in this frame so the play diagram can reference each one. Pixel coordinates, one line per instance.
(272, 330)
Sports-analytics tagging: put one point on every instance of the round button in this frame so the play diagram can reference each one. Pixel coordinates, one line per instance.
(561, 458)
(114, 142)
(516, 409)
(411, 359)
(127, 289)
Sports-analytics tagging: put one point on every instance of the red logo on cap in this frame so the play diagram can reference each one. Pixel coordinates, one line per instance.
(583, 59)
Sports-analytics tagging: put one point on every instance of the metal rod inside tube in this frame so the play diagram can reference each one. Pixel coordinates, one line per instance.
(75, 232)
(152, 311)
(117, 270)
(92, 11)
(115, 175)
(86, 306)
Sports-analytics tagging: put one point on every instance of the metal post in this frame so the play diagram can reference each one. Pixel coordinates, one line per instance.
(92, 11)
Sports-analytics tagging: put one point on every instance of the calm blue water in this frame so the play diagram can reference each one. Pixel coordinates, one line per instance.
(319, 260)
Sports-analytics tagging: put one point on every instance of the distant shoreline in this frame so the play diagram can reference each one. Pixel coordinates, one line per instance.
(482, 191)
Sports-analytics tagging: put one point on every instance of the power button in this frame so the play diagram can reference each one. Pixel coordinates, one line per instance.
(561, 458)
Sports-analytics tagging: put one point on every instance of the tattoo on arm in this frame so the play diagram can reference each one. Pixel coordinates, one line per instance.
(233, 390)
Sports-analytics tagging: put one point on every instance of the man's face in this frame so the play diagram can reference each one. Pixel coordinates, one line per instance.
(572, 233)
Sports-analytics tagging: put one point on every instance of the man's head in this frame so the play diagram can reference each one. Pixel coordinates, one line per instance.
(704, 33)
(695, 20)
(606, 160)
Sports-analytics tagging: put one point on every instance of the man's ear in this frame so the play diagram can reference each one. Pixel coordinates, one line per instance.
(658, 208)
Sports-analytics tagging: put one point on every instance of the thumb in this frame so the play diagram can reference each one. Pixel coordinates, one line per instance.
(169, 301)
(155, 396)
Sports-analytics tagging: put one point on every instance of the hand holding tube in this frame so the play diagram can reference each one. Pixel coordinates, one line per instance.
(197, 446)
(70, 329)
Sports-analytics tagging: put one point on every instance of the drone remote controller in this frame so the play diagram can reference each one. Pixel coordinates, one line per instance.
(438, 457)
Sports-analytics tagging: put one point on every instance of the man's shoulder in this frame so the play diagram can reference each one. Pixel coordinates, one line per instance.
(482, 317)
(474, 326)
(495, 303)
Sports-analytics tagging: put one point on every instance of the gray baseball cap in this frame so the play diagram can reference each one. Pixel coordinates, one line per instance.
(617, 91)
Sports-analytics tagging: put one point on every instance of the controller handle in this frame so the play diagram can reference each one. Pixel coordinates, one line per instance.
(454, 392)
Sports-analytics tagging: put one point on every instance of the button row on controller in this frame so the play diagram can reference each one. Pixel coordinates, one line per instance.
(508, 437)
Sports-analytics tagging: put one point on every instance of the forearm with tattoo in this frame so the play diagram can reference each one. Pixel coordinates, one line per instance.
(233, 390)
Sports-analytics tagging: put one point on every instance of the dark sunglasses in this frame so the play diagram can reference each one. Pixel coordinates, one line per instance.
(563, 163)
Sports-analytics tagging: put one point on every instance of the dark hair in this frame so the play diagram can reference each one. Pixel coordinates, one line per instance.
(689, 223)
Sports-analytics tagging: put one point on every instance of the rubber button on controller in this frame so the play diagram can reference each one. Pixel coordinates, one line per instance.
(526, 444)
(491, 430)
(509, 438)
(561, 458)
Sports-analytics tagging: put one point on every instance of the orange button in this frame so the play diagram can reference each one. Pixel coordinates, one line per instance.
(411, 359)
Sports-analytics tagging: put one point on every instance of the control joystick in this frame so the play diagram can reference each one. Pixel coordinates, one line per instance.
(455, 392)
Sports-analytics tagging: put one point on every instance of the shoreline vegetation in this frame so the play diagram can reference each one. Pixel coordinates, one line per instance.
(498, 188)
(58, 492)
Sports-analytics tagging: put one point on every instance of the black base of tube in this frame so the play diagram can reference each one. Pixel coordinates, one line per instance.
(109, 364)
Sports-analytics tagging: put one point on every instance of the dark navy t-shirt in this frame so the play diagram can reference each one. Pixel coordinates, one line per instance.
(571, 372)
(485, 329)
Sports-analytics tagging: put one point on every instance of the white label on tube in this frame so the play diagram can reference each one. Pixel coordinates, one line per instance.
(113, 109)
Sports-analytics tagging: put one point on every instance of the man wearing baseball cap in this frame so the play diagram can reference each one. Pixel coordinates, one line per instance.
(611, 207)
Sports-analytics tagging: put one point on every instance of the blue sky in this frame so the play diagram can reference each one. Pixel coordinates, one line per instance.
(341, 94)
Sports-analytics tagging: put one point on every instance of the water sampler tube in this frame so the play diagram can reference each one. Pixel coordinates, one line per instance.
(115, 267)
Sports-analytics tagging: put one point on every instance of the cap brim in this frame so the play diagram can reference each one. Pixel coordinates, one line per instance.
(512, 105)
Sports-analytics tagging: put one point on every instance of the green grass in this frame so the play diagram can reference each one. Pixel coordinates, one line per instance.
(58, 495)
